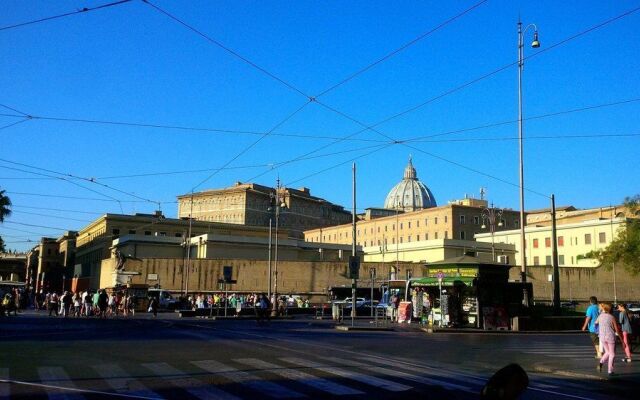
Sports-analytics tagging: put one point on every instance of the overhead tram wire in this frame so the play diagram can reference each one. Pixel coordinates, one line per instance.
(503, 138)
(50, 216)
(81, 11)
(178, 127)
(84, 179)
(80, 198)
(513, 121)
(400, 49)
(37, 226)
(14, 206)
(14, 123)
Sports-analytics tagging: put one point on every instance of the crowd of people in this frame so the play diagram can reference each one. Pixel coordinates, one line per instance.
(238, 301)
(605, 329)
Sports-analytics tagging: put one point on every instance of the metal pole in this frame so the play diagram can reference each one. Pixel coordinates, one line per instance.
(372, 273)
(269, 264)
(188, 245)
(275, 258)
(554, 259)
(523, 242)
(615, 289)
(397, 237)
(354, 281)
(226, 297)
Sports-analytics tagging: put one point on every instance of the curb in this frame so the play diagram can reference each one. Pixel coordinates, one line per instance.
(362, 328)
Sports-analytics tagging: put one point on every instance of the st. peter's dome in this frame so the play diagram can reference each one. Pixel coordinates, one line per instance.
(410, 194)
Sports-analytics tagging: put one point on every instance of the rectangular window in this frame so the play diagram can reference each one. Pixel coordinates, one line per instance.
(163, 233)
(436, 235)
(408, 239)
(385, 228)
(445, 219)
(547, 242)
(418, 223)
(409, 224)
(425, 221)
(178, 234)
(393, 240)
(462, 219)
(446, 234)
(401, 239)
(417, 238)
(462, 235)
(535, 243)
(393, 227)
(547, 260)
(587, 238)
(560, 241)
(115, 231)
(132, 231)
(536, 260)
(401, 225)
(378, 229)
(426, 236)
(147, 233)
(602, 237)
(561, 259)
(435, 220)
(476, 220)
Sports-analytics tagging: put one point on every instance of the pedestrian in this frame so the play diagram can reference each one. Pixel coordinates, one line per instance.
(131, 304)
(66, 301)
(592, 314)
(625, 324)
(88, 303)
(53, 304)
(153, 306)
(395, 303)
(607, 331)
(103, 300)
(77, 304)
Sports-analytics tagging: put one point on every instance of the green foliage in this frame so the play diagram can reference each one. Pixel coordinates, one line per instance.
(625, 248)
(5, 206)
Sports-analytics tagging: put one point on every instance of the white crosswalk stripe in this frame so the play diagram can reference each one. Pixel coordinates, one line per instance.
(345, 373)
(412, 365)
(182, 380)
(120, 381)
(318, 383)
(262, 386)
(403, 375)
(57, 379)
(5, 388)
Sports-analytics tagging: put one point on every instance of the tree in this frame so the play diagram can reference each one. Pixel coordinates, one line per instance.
(5, 206)
(5, 211)
(625, 248)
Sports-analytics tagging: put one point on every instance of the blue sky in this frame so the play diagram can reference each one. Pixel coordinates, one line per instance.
(131, 63)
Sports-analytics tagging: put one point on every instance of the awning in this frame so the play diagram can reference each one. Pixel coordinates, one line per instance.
(446, 281)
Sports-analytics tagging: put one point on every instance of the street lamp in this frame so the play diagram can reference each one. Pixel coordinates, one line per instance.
(491, 215)
(278, 202)
(535, 44)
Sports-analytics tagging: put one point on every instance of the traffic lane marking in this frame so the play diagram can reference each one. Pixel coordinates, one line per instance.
(184, 381)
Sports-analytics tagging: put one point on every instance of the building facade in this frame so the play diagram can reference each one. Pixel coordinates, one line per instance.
(50, 263)
(575, 240)
(253, 205)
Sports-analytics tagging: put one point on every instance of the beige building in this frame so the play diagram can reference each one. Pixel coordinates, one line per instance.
(570, 214)
(575, 240)
(459, 220)
(252, 205)
(50, 263)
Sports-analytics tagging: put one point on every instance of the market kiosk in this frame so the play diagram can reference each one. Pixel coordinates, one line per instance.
(462, 292)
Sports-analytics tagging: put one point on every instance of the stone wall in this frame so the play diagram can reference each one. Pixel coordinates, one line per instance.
(306, 278)
(579, 283)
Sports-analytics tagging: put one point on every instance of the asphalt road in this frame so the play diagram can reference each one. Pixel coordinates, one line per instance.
(238, 359)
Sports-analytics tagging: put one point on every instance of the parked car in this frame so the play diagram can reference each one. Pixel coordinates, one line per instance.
(165, 299)
(633, 307)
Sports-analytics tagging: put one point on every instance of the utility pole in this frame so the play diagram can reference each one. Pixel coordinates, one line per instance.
(354, 281)
(188, 247)
(554, 259)
(269, 263)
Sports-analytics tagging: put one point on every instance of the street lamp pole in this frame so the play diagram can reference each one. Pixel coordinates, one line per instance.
(279, 203)
(491, 215)
(615, 289)
(269, 262)
(523, 242)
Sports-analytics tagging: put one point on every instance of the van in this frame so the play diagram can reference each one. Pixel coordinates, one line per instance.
(165, 299)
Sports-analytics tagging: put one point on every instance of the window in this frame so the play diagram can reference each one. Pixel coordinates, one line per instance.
(602, 237)
(378, 229)
(536, 260)
(462, 235)
(446, 234)
(385, 228)
(401, 225)
(393, 240)
(547, 260)
(393, 227)
(426, 236)
(147, 233)
(435, 220)
(163, 233)
(401, 241)
(561, 259)
(417, 238)
(445, 219)
(587, 238)
(409, 224)
(516, 223)
(132, 231)
(425, 221)
(418, 223)
(535, 243)
(409, 239)
(115, 231)
(476, 220)
(436, 235)
(560, 241)
(547, 242)
(49, 252)
(178, 234)
(462, 219)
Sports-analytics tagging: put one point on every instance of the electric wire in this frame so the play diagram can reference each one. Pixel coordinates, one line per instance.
(14, 124)
(50, 216)
(37, 226)
(80, 198)
(13, 206)
(83, 10)
(400, 49)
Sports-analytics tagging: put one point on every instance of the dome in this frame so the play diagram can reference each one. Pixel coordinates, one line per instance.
(410, 194)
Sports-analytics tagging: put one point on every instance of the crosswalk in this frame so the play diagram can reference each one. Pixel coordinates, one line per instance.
(549, 349)
(234, 379)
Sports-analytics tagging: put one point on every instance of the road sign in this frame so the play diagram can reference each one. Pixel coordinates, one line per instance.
(354, 267)
(440, 275)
